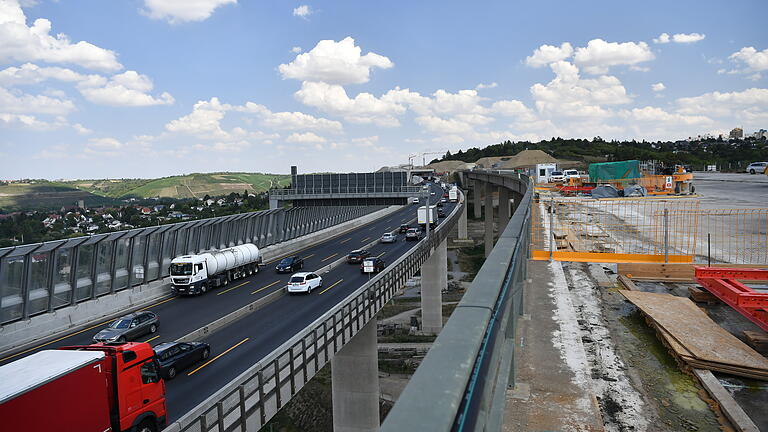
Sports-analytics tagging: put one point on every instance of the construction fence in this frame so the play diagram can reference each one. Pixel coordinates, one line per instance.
(647, 230)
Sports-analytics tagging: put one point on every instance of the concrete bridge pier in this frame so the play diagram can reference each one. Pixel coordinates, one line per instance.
(355, 383)
(478, 189)
(463, 224)
(489, 218)
(504, 213)
(434, 279)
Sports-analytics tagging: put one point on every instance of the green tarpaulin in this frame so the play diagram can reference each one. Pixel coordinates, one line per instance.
(614, 170)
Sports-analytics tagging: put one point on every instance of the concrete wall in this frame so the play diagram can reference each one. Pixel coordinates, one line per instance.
(20, 335)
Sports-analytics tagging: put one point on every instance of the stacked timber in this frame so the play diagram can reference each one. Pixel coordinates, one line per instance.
(695, 339)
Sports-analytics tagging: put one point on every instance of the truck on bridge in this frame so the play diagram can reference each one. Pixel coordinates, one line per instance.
(93, 388)
(195, 274)
(425, 216)
(453, 194)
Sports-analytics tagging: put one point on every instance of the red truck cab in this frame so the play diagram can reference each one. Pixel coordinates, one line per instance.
(98, 388)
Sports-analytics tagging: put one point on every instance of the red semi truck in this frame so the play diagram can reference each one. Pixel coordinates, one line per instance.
(94, 388)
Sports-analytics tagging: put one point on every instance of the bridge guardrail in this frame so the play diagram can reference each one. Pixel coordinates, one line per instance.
(40, 278)
(251, 399)
(461, 383)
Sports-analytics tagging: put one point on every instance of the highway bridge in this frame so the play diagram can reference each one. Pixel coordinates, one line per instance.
(264, 358)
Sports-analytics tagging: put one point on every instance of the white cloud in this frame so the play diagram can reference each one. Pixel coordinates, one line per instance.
(512, 108)
(29, 73)
(600, 55)
(364, 108)
(334, 62)
(21, 43)
(204, 121)
(80, 129)
(750, 104)
(291, 120)
(307, 137)
(658, 87)
(296, 50)
(443, 126)
(547, 54)
(179, 11)
(126, 89)
(754, 62)
(482, 86)
(679, 38)
(22, 103)
(302, 11)
(658, 116)
(23, 121)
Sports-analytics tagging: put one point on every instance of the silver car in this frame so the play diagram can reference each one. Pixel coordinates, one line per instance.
(129, 327)
(388, 238)
(757, 167)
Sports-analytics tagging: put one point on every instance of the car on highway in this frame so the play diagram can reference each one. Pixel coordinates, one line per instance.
(757, 167)
(128, 327)
(177, 356)
(440, 213)
(556, 177)
(357, 256)
(290, 264)
(443, 200)
(413, 234)
(374, 263)
(439, 203)
(388, 238)
(403, 228)
(304, 282)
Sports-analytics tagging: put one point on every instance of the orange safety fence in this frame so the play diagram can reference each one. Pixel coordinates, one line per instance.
(636, 230)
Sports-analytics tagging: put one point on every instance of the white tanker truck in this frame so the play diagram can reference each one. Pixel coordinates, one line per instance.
(195, 274)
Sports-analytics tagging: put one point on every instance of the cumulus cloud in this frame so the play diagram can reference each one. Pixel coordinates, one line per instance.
(22, 43)
(334, 62)
(180, 11)
(291, 120)
(304, 138)
(750, 104)
(30, 73)
(658, 87)
(22, 103)
(363, 108)
(204, 121)
(482, 86)
(679, 38)
(126, 89)
(751, 60)
(598, 56)
(657, 116)
(547, 54)
(296, 50)
(302, 11)
(29, 122)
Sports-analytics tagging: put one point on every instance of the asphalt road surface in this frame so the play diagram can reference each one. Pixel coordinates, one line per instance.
(731, 190)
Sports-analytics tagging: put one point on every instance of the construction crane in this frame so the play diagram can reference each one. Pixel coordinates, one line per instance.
(423, 159)
(411, 157)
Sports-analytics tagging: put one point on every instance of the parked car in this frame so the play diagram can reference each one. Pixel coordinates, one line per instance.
(128, 327)
(177, 356)
(357, 256)
(569, 174)
(413, 234)
(757, 167)
(388, 238)
(304, 282)
(378, 264)
(290, 264)
(556, 177)
(403, 228)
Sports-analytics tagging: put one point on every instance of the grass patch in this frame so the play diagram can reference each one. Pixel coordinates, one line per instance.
(470, 261)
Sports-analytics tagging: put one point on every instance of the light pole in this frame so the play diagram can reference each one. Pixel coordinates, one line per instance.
(428, 211)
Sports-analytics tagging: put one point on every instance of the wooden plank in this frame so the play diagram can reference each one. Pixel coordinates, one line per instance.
(627, 283)
(758, 341)
(677, 272)
(694, 330)
(701, 296)
(728, 405)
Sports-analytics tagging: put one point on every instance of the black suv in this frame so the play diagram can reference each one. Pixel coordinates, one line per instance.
(176, 356)
(440, 213)
(290, 264)
(357, 256)
(403, 228)
(378, 264)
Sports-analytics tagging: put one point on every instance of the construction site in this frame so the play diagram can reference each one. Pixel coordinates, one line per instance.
(656, 279)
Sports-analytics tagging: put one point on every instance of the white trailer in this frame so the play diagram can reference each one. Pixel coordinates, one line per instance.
(544, 171)
(425, 216)
(195, 274)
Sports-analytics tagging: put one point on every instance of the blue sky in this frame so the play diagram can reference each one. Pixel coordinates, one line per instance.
(146, 88)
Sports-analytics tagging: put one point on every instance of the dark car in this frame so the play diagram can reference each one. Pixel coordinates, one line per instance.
(128, 327)
(440, 213)
(378, 265)
(439, 204)
(413, 234)
(290, 264)
(176, 356)
(357, 256)
(403, 228)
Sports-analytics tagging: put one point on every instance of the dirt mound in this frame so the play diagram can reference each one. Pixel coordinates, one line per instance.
(450, 165)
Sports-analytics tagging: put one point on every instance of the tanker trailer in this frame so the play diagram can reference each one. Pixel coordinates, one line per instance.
(195, 274)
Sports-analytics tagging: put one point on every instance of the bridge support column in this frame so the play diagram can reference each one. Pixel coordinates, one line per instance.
(477, 192)
(355, 383)
(503, 208)
(434, 278)
(488, 219)
(274, 203)
(463, 224)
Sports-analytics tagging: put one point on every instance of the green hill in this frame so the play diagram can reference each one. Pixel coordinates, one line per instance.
(45, 195)
(186, 186)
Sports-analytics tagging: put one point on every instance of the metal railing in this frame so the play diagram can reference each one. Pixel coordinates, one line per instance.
(40, 278)
(461, 384)
(250, 400)
(393, 190)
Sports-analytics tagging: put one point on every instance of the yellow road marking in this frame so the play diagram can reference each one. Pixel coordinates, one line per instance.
(309, 256)
(345, 240)
(214, 359)
(234, 287)
(77, 332)
(338, 282)
(328, 257)
(365, 240)
(150, 340)
(266, 286)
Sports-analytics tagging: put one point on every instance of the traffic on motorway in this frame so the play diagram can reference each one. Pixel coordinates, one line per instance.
(201, 368)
